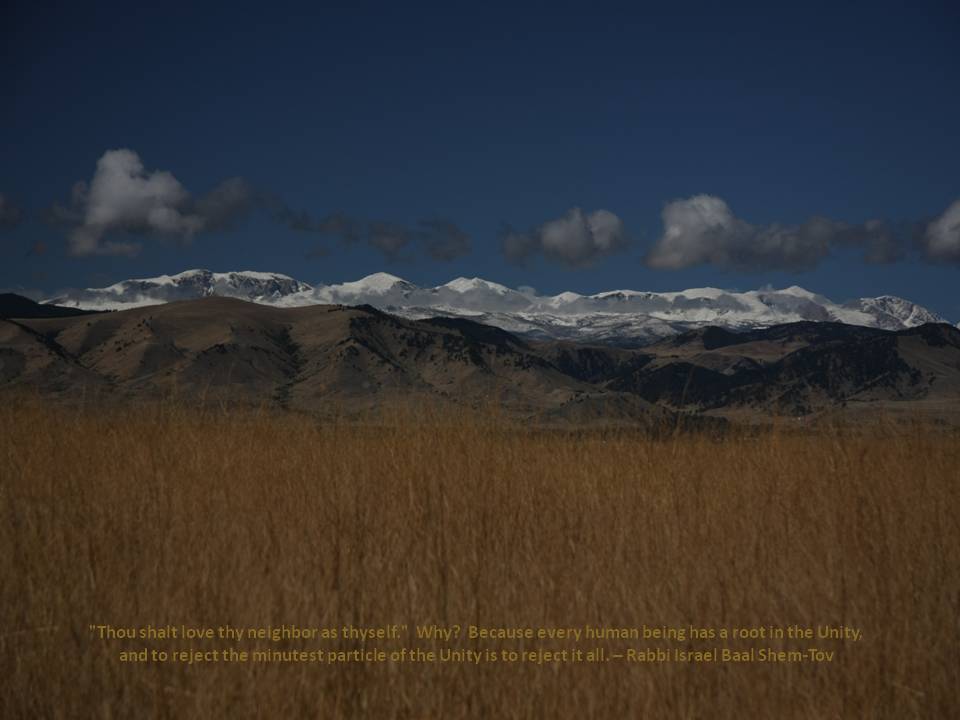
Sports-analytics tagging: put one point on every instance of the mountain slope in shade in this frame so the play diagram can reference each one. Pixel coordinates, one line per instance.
(803, 368)
(17, 306)
(333, 359)
(327, 359)
(627, 318)
(799, 370)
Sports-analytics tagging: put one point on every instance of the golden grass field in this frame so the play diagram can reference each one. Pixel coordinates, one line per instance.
(163, 515)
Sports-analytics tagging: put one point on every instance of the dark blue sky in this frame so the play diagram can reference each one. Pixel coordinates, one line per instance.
(484, 115)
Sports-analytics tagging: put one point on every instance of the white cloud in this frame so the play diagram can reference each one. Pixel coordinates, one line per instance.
(941, 240)
(576, 239)
(702, 230)
(123, 198)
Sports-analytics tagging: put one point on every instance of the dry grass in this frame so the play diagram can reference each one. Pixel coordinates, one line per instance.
(167, 516)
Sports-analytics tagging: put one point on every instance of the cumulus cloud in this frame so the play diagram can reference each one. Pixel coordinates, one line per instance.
(125, 202)
(940, 240)
(124, 199)
(702, 230)
(576, 239)
(443, 240)
(123, 196)
(11, 214)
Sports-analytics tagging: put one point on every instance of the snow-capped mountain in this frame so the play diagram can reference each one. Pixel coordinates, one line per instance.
(893, 313)
(189, 285)
(620, 317)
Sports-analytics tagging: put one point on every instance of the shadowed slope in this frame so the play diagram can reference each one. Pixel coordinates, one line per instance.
(337, 359)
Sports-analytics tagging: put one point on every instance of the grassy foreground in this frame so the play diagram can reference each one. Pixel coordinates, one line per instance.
(160, 516)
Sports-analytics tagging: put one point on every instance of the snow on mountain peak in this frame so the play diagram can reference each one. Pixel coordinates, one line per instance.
(566, 297)
(176, 279)
(625, 317)
(710, 293)
(462, 284)
(377, 282)
(892, 312)
(255, 275)
(186, 285)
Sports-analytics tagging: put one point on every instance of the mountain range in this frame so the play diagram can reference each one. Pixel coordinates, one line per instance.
(625, 318)
(336, 359)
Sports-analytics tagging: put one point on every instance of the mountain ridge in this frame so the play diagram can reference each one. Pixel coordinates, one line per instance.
(356, 359)
(629, 318)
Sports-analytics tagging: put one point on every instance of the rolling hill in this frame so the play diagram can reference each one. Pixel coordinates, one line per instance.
(347, 360)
